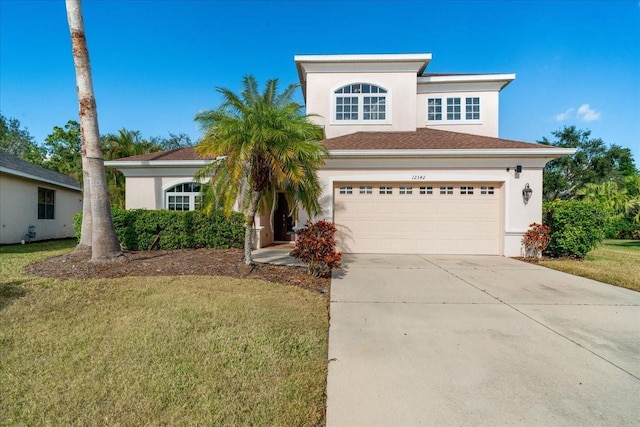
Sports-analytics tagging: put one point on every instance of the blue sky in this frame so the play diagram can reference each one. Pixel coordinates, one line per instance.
(156, 63)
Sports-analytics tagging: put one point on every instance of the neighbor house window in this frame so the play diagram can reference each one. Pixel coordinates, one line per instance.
(361, 102)
(46, 203)
(184, 197)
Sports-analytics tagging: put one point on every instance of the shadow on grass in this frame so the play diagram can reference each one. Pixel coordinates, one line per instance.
(624, 243)
(44, 245)
(11, 291)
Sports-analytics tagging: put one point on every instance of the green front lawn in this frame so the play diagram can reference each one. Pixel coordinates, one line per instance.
(157, 350)
(615, 261)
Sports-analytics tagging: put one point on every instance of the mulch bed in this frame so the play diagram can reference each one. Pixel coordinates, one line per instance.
(192, 262)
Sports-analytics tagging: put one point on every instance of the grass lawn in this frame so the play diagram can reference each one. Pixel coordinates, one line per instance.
(157, 350)
(615, 261)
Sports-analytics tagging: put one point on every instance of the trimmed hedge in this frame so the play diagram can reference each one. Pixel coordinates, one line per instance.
(138, 229)
(576, 227)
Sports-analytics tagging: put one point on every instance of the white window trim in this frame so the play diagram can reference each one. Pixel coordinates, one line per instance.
(360, 121)
(166, 194)
(463, 110)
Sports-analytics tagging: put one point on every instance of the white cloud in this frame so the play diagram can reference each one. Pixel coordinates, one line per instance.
(586, 114)
(563, 116)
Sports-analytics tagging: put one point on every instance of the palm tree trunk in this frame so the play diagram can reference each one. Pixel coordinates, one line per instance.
(104, 241)
(84, 245)
(248, 226)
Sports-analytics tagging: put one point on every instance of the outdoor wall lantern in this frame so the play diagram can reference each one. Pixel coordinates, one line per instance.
(526, 193)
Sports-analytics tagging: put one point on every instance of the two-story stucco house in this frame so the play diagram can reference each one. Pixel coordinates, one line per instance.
(415, 164)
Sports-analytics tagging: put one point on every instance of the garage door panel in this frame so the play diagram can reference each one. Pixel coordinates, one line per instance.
(460, 221)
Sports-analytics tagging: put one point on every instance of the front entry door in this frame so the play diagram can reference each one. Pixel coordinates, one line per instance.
(282, 222)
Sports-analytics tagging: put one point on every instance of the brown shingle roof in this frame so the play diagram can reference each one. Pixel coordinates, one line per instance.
(187, 153)
(421, 139)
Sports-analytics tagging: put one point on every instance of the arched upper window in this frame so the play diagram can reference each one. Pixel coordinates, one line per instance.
(183, 197)
(361, 102)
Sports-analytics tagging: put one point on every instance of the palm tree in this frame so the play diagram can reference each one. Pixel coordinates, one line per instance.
(264, 144)
(98, 232)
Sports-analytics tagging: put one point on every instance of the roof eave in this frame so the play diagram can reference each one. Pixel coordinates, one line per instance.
(38, 178)
(155, 163)
(461, 153)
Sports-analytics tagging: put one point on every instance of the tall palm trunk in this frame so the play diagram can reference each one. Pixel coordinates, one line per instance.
(104, 241)
(248, 226)
(85, 233)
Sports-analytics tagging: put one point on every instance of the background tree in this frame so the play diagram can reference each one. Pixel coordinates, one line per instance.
(63, 150)
(17, 141)
(593, 163)
(264, 144)
(97, 219)
(173, 142)
(125, 143)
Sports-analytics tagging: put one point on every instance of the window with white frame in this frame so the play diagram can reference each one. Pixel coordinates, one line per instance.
(386, 190)
(361, 102)
(472, 108)
(183, 197)
(453, 109)
(406, 190)
(434, 109)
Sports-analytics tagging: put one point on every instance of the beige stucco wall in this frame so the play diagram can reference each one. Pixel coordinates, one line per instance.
(19, 210)
(487, 125)
(401, 100)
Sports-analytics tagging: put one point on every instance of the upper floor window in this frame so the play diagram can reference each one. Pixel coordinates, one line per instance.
(453, 109)
(184, 197)
(361, 102)
(46, 203)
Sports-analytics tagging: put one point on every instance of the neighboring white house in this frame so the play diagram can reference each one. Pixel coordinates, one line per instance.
(35, 203)
(415, 164)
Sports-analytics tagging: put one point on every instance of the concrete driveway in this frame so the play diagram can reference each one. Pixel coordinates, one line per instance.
(477, 340)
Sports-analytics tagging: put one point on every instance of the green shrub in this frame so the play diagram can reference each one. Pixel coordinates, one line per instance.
(141, 229)
(576, 227)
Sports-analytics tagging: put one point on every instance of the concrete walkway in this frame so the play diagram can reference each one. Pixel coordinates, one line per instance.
(450, 340)
(277, 254)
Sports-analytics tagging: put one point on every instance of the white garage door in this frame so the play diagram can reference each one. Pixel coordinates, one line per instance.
(425, 218)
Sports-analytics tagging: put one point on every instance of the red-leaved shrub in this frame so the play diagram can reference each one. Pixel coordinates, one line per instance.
(536, 240)
(316, 247)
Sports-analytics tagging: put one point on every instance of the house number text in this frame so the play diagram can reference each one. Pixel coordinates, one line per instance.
(418, 177)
